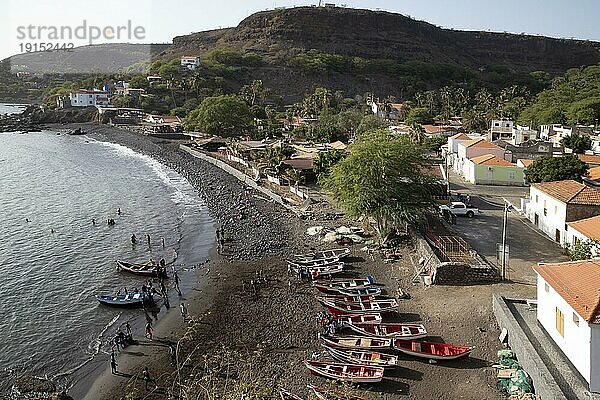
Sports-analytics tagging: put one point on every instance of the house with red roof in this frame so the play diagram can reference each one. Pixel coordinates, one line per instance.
(490, 169)
(568, 308)
(585, 230)
(553, 204)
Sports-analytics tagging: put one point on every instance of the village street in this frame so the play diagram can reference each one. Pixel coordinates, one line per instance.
(527, 245)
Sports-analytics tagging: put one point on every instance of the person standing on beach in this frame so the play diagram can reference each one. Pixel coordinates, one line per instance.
(113, 363)
(176, 278)
(149, 330)
(184, 312)
(147, 378)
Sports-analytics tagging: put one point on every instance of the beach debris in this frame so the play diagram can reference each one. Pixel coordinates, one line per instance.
(31, 387)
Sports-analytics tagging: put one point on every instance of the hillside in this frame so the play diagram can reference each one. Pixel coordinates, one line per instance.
(351, 50)
(279, 34)
(102, 58)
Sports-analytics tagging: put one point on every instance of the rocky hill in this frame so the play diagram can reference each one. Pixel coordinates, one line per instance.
(279, 34)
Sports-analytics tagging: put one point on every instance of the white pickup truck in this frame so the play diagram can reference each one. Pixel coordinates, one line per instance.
(459, 208)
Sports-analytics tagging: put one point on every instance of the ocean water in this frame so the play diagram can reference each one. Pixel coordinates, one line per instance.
(52, 266)
(11, 108)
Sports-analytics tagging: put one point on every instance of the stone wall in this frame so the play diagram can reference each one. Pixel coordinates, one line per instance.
(544, 383)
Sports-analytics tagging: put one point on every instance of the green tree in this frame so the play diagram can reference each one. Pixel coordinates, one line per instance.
(226, 115)
(576, 142)
(255, 93)
(382, 178)
(325, 161)
(582, 250)
(550, 169)
(418, 115)
(123, 101)
(435, 143)
(369, 123)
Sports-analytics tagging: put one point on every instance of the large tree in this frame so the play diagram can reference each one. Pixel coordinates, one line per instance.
(221, 115)
(382, 178)
(550, 169)
(576, 142)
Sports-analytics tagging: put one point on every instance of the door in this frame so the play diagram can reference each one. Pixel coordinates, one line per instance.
(536, 219)
(557, 236)
(560, 322)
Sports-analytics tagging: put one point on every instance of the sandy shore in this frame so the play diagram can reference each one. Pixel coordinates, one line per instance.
(245, 344)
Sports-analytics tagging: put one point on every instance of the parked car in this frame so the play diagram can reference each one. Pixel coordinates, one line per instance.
(459, 208)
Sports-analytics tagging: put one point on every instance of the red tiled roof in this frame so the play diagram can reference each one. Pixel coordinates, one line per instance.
(594, 173)
(492, 160)
(570, 192)
(526, 163)
(590, 227)
(578, 282)
(481, 143)
(460, 136)
(589, 158)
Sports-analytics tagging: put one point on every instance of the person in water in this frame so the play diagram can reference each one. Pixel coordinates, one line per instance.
(119, 211)
(133, 239)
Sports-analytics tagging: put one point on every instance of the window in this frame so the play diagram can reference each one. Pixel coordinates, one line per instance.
(555, 209)
(511, 175)
(560, 322)
(576, 319)
(547, 288)
(545, 211)
(536, 198)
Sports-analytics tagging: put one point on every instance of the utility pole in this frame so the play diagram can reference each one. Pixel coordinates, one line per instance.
(507, 206)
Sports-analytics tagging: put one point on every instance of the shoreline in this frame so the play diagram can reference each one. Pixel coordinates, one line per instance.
(262, 338)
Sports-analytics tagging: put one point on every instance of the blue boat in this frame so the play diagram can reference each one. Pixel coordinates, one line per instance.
(135, 299)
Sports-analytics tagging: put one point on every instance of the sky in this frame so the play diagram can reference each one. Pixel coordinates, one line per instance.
(158, 21)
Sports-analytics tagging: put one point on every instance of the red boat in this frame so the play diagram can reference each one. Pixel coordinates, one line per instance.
(374, 318)
(431, 350)
(325, 394)
(371, 307)
(356, 342)
(347, 299)
(361, 357)
(390, 330)
(345, 372)
(285, 395)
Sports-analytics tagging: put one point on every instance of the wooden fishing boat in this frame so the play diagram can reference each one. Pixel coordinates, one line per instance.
(285, 395)
(316, 267)
(346, 299)
(135, 299)
(141, 269)
(323, 255)
(431, 350)
(375, 306)
(362, 357)
(390, 330)
(344, 320)
(345, 372)
(327, 270)
(325, 286)
(356, 342)
(312, 263)
(325, 394)
(368, 291)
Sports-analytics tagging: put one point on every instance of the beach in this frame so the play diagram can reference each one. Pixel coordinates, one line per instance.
(247, 344)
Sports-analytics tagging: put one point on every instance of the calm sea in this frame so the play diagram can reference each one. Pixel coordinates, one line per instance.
(52, 266)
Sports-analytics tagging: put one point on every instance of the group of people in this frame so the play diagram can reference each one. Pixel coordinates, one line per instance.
(327, 323)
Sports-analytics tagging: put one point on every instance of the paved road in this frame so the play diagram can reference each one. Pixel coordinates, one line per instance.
(527, 245)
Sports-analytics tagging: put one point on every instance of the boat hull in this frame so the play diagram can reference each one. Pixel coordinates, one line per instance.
(346, 372)
(431, 350)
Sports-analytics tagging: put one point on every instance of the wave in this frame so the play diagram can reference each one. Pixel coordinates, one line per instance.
(183, 192)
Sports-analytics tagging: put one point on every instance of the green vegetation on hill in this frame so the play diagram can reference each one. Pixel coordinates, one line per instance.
(550, 169)
(572, 99)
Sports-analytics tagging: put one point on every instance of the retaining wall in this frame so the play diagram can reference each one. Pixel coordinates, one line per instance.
(543, 382)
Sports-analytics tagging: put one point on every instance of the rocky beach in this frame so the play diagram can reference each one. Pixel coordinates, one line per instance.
(245, 343)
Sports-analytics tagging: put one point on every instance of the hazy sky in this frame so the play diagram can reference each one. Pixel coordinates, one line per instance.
(160, 20)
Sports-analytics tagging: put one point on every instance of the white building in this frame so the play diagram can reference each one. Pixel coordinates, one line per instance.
(553, 204)
(522, 134)
(89, 98)
(500, 129)
(569, 310)
(585, 230)
(190, 63)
